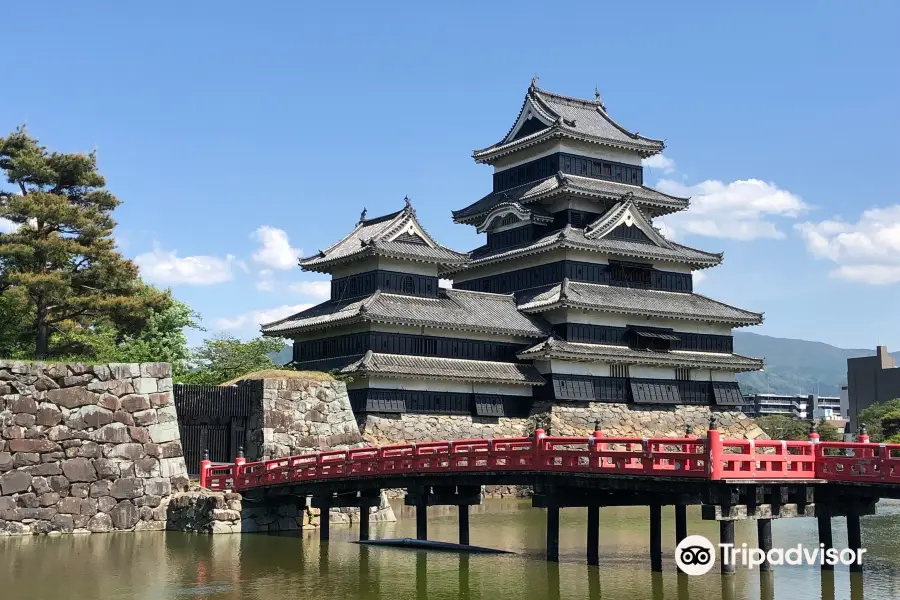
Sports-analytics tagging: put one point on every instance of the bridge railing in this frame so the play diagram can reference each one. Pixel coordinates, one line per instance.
(710, 458)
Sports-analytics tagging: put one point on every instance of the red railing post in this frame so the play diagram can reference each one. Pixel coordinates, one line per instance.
(538, 436)
(814, 433)
(239, 463)
(714, 457)
(205, 466)
(689, 448)
(594, 447)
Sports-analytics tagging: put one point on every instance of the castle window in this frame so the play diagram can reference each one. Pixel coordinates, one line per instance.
(409, 286)
(618, 370)
(683, 374)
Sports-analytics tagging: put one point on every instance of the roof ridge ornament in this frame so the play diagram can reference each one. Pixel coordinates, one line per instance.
(598, 99)
(408, 207)
(362, 215)
(534, 80)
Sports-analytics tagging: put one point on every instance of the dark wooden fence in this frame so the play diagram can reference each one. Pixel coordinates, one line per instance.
(214, 418)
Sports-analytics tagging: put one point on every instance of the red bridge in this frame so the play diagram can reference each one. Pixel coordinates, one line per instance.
(730, 479)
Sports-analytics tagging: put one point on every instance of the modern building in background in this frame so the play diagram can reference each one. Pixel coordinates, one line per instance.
(575, 296)
(871, 379)
(810, 407)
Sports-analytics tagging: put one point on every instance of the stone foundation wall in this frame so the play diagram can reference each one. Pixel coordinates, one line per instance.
(203, 511)
(565, 419)
(301, 415)
(87, 448)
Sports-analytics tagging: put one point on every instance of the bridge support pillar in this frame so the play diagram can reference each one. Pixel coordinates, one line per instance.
(656, 538)
(463, 524)
(824, 523)
(854, 538)
(726, 536)
(764, 541)
(680, 522)
(593, 534)
(363, 523)
(324, 519)
(422, 519)
(553, 533)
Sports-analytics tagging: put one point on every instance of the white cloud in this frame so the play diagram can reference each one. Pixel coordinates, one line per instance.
(275, 249)
(698, 277)
(740, 210)
(266, 282)
(7, 226)
(165, 267)
(314, 290)
(251, 320)
(867, 251)
(661, 162)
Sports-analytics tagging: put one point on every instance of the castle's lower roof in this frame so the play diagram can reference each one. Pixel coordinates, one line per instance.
(634, 301)
(427, 367)
(452, 309)
(577, 351)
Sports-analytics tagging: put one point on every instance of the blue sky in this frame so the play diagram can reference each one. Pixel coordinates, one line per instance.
(239, 135)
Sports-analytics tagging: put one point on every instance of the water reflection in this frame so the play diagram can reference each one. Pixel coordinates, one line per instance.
(164, 566)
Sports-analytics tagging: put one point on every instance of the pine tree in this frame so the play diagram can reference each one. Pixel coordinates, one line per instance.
(62, 254)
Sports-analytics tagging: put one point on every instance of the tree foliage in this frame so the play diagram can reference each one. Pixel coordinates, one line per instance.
(224, 358)
(62, 256)
(782, 427)
(873, 417)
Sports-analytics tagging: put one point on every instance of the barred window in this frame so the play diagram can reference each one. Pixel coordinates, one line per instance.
(683, 374)
(618, 370)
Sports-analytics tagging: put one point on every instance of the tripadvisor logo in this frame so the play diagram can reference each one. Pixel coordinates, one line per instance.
(696, 555)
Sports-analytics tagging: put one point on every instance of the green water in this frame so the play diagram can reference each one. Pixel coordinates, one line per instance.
(157, 566)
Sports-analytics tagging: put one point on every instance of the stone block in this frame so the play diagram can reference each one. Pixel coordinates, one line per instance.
(145, 417)
(124, 515)
(28, 500)
(89, 450)
(58, 433)
(101, 372)
(99, 489)
(44, 383)
(131, 451)
(89, 507)
(110, 402)
(25, 420)
(96, 416)
(79, 490)
(79, 469)
(124, 417)
(63, 523)
(146, 467)
(135, 402)
(164, 384)
(167, 414)
(115, 433)
(23, 404)
(6, 462)
(150, 526)
(100, 523)
(13, 432)
(40, 485)
(126, 487)
(33, 446)
(124, 370)
(44, 470)
(163, 432)
(161, 399)
(69, 506)
(120, 387)
(172, 467)
(59, 484)
(7, 503)
(14, 482)
(157, 370)
(145, 385)
(106, 468)
(72, 397)
(106, 503)
(73, 380)
(157, 486)
(139, 434)
(170, 450)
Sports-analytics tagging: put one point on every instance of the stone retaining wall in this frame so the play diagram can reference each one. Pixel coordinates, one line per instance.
(300, 415)
(570, 418)
(87, 448)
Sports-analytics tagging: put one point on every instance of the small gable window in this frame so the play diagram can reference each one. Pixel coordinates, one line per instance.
(409, 286)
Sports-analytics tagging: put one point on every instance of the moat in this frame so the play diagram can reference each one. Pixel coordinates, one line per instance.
(158, 566)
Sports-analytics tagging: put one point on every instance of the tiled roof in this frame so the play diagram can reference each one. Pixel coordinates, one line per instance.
(384, 236)
(429, 367)
(634, 301)
(557, 348)
(572, 118)
(653, 201)
(575, 238)
(452, 309)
